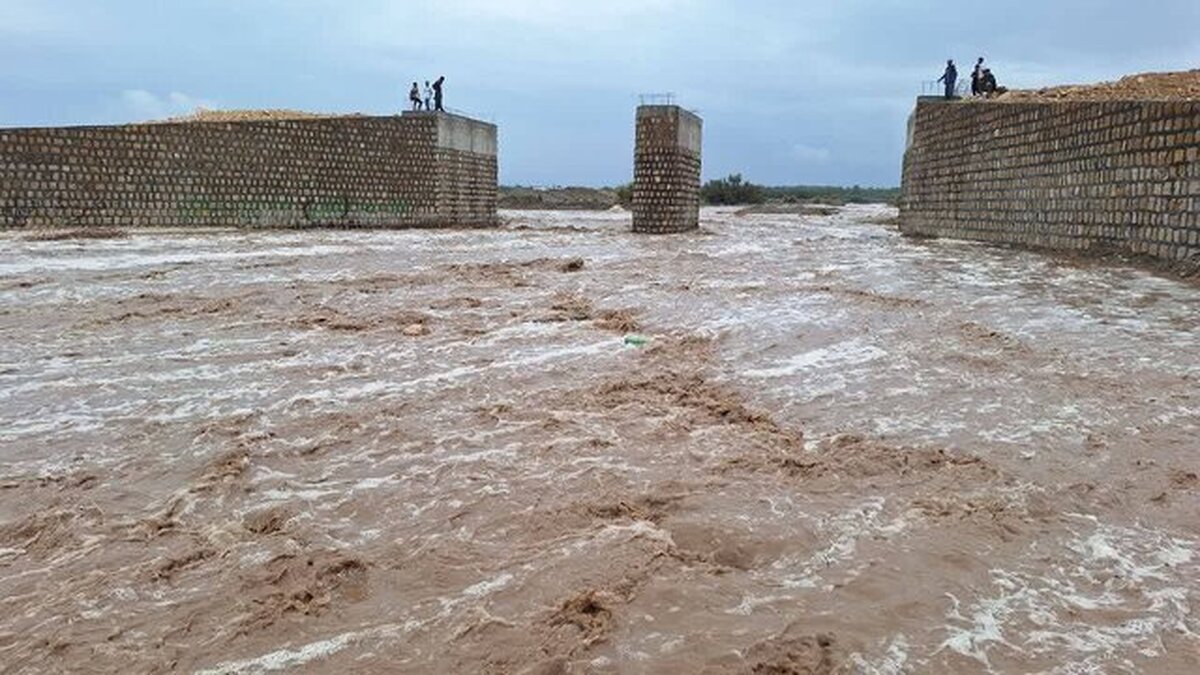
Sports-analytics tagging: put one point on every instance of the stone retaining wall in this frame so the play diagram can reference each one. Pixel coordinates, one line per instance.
(666, 181)
(1082, 176)
(418, 170)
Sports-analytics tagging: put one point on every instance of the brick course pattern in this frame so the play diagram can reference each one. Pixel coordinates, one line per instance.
(666, 182)
(1097, 177)
(419, 170)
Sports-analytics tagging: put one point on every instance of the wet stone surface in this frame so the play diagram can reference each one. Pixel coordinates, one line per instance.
(839, 451)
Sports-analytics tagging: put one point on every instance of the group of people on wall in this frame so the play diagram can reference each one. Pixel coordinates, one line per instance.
(433, 95)
(983, 82)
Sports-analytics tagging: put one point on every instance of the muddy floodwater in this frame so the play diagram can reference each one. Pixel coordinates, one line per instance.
(838, 451)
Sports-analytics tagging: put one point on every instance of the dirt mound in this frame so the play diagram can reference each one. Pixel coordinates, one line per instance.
(569, 198)
(203, 115)
(777, 208)
(1180, 86)
(78, 233)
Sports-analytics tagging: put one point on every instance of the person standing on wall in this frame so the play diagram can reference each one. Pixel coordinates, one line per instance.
(950, 77)
(437, 93)
(414, 95)
(977, 78)
(428, 96)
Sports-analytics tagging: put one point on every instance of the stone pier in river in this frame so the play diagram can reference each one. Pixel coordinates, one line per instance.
(666, 184)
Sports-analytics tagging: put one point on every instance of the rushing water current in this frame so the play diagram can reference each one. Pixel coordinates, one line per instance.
(837, 450)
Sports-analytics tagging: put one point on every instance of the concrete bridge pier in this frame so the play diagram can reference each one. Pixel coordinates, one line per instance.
(666, 177)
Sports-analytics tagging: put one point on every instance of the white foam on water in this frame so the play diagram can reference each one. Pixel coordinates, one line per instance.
(752, 602)
(892, 661)
(283, 494)
(980, 628)
(372, 483)
(488, 587)
(743, 248)
(531, 356)
(26, 264)
(1112, 596)
(1106, 597)
(562, 354)
(848, 353)
(288, 658)
(843, 531)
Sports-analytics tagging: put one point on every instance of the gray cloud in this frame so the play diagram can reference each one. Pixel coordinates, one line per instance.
(791, 91)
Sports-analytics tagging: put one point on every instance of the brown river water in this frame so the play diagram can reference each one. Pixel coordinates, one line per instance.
(839, 451)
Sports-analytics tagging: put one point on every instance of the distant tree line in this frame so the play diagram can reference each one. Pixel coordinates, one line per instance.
(832, 194)
(731, 190)
(736, 190)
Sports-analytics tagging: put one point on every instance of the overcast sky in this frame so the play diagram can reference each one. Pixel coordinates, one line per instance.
(791, 91)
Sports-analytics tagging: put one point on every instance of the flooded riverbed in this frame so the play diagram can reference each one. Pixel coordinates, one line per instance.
(429, 452)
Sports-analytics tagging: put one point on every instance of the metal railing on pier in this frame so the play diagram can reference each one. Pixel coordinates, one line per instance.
(667, 98)
(936, 88)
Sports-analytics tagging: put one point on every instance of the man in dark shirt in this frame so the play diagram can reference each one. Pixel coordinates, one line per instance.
(950, 77)
(977, 78)
(437, 94)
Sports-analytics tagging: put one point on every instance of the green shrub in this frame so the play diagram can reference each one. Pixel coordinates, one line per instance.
(732, 190)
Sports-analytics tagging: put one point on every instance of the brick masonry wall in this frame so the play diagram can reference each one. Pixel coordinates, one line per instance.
(343, 172)
(1082, 176)
(666, 181)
